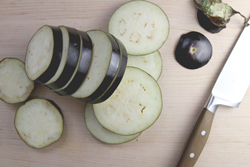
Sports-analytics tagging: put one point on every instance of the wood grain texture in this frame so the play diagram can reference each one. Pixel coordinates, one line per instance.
(184, 92)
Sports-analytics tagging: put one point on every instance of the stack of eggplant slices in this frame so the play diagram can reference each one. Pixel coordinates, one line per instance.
(87, 65)
(115, 73)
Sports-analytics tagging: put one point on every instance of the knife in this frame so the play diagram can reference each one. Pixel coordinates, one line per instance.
(229, 90)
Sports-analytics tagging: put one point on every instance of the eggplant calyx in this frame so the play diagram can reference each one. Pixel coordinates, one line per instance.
(219, 13)
(193, 50)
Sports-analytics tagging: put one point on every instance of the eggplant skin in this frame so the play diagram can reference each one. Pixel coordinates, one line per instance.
(112, 70)
(56, 57)
(72, 59)
(193, 51)
(205, 23)
(120, 73)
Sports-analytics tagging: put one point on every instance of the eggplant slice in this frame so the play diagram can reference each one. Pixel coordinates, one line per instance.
(15, 86)
(100, 133)
(151, 63)
(103, 67)
(82, 66)
(43, 54)
(65, 39)
(134, 106)
(71, 62)
(39, 122)
(116, 81)
(142, 27)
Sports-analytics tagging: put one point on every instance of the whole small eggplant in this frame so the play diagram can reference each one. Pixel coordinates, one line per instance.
(193, 51)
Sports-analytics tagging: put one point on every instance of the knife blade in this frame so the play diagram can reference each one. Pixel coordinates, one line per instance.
(229, 90)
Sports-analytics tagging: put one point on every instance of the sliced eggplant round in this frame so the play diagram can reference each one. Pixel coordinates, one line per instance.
(39, 122)
(15, 86)
(104, 65)
(116, 81)
(142, 27)
(100, 133)
(71, 62)
(82, 66)
(65, 38)
(134, 106)
(43, 54)
(151, 63)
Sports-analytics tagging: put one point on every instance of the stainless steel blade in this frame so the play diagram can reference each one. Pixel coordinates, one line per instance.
(234, 78)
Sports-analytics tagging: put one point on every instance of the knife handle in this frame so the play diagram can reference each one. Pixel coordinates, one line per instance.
(197, 139)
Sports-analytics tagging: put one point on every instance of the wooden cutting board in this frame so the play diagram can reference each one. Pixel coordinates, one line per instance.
(184, 93)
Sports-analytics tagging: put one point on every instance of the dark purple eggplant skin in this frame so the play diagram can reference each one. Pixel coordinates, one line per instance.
(193, 50)
(207, 24)
(83, 68)
(72, 59)
(119, 75)
(111, 74)
(57, 55)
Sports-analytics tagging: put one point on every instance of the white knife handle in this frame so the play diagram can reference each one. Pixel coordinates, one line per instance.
(197, 139)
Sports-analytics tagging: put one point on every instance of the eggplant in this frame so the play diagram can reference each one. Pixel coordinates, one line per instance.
(65, 39)
(82, 66)
(134, 106)
(15, 86)
(151, 63)
(193, 50)
(100, 133)
(207, 24)
(213, 15)
(140, 32)
(39, 122)
(119, 74)
(71, 62)
(104, 65)
(43, 54)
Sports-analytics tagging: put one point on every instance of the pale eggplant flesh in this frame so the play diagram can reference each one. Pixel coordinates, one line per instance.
(46, 47)
(39, 122)
(134, 106)
(15, 86)
(142, 26)
(102, 134)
